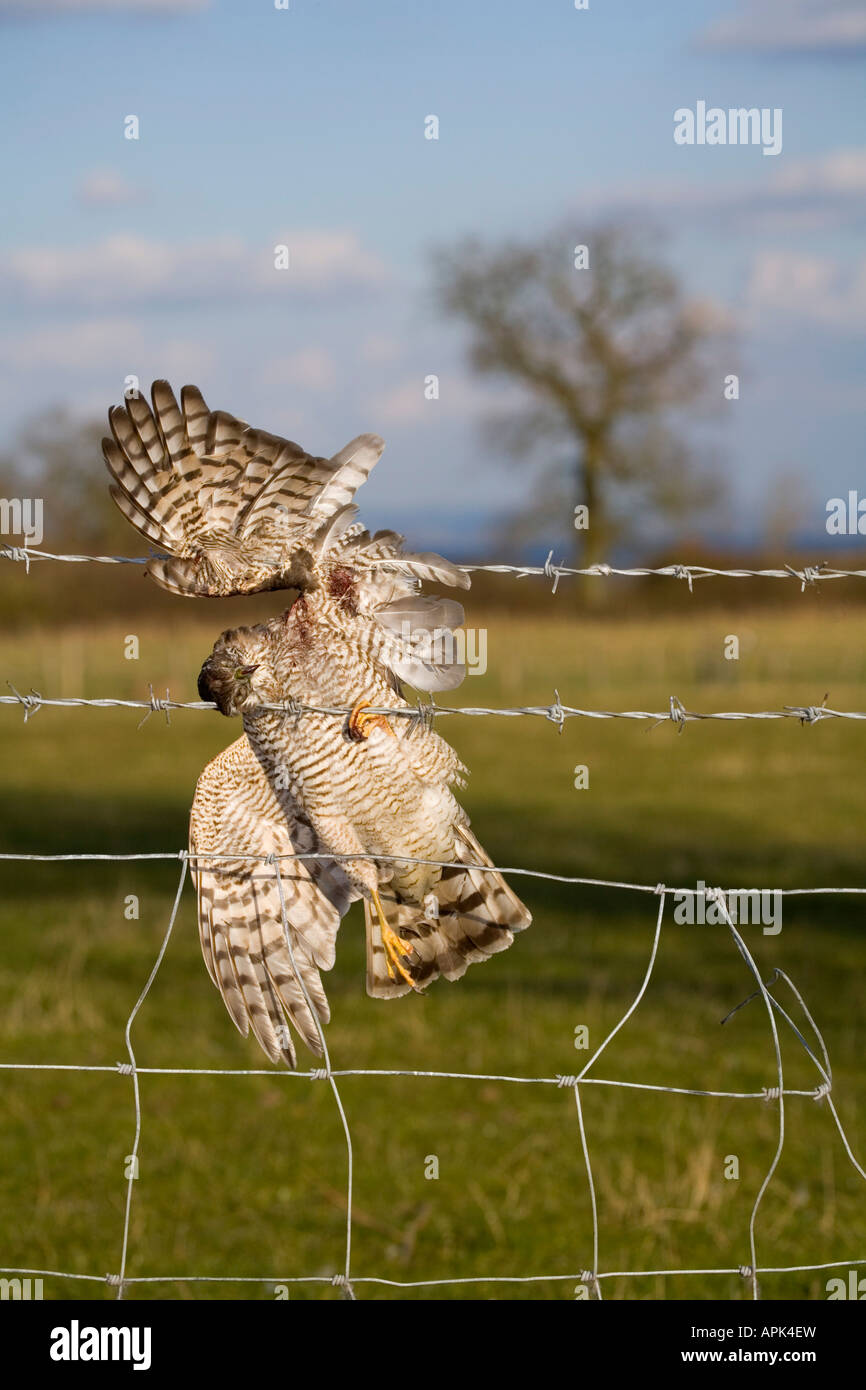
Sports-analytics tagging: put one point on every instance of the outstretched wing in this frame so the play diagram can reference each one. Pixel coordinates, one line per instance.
(234, 508)
(235, 812)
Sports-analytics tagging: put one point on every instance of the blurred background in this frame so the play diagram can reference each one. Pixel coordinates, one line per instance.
(499, 259)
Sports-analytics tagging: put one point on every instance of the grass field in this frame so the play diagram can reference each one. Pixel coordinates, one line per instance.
(246, 1176)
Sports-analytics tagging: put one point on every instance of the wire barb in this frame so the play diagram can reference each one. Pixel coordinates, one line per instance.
(553, 572)
(158, 706)
(32, 703)
(556, 714)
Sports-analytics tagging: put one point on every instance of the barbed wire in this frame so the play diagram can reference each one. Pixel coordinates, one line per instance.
(427, 710)
(806, 575)
(589, 1277)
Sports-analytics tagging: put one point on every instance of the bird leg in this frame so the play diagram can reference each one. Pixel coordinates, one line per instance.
(361, 722)
(394, 946)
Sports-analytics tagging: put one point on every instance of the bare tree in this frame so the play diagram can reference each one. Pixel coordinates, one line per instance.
(58, 457)
(608, 355)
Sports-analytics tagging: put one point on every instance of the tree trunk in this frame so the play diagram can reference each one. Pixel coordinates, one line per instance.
(590, 545)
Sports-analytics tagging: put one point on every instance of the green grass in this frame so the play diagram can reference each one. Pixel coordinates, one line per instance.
(247, 1175)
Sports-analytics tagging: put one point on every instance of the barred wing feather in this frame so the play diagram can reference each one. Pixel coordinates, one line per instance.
(235, 812)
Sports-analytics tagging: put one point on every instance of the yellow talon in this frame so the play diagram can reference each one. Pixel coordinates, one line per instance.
(361, 722)
(394, 947)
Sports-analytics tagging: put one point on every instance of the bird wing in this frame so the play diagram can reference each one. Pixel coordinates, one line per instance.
(235, 811)
(228, 504)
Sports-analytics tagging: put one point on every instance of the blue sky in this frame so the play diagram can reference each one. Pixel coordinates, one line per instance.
(306, 126)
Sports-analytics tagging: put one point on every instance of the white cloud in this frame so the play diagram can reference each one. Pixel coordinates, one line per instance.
(106, 186)
(406, 403)
(311, 368)
(791, 26)
(814, 289)
(96, 343)
(127, 270)
(819, 191)
(118, 345)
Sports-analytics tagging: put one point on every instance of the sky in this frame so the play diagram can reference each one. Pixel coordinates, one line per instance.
(305, 127)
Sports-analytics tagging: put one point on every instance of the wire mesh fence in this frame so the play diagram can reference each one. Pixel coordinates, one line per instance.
(590, 1274)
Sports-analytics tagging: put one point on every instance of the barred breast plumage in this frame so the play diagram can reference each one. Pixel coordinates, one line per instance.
(371, 785)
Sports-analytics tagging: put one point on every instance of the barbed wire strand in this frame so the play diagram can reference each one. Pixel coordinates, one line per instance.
(807, 576)
(346, 1281)
(426, 711)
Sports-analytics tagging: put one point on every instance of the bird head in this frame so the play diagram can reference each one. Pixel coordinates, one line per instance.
(236, 674)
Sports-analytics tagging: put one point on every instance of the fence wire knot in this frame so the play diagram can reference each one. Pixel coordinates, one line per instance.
(31, 702)
(14, 552)
(556, 714)
(807, 575)
(567, 1080)
(602, 569)
(114, 1281)
(320, 1074)
(746, 1271)
(660, 889)
(809, 714)
(158, 706)
(425, 712)
(552, 572)
(678, 713)
(823, 1090)
(772, 1093)
(125, 1068)
(344, 1284)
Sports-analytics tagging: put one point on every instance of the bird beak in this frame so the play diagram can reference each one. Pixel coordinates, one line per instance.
(248, 670)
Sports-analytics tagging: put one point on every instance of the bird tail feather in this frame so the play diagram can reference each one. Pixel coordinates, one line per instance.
(478, 915)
